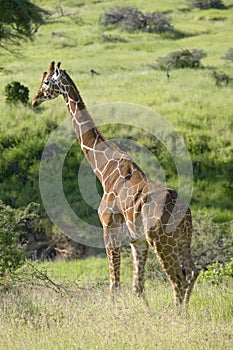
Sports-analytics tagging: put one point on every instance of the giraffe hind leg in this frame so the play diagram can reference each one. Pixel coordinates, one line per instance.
(191, 276)
(178, 282)
(166, 250)
(191, 283)
(176, 278)
(188, 266)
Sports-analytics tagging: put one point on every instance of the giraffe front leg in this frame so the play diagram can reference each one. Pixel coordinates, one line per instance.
(114, 259)
(112, 221)
(114, 266)
(139, 253)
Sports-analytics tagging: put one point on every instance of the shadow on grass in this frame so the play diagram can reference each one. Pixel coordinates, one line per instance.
(110, 38)
(177, 35)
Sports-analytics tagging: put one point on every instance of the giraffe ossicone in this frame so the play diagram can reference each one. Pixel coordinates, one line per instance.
(133, 207)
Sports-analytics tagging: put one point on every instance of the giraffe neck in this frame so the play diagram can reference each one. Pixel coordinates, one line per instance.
(97, 150)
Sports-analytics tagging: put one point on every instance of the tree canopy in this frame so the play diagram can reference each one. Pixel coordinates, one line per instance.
(18, 21)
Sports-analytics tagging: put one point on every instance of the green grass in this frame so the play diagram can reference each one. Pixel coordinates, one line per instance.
(190, 100)
(34, 316)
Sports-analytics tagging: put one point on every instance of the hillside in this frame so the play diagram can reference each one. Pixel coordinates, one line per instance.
(199, 111)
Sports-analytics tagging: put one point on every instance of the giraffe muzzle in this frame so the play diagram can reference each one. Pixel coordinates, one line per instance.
(35, 103)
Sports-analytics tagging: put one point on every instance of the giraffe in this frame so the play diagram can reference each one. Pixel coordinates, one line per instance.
(133, 208)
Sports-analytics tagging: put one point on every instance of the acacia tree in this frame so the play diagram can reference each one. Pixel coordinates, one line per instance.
(18, 21)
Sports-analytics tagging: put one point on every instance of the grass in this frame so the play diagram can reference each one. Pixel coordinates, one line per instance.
(37, 317)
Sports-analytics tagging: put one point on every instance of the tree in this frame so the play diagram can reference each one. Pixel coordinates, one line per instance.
(130, 19)
(18, 21)
(181, 59)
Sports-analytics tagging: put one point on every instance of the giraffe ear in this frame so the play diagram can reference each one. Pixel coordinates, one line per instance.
(52, 65)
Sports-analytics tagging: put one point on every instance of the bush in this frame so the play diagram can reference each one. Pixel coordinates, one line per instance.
(212, 242)
(16, 92)
(130, 19)
(207, 4)
(229, 55)
(217, 272)
(181, 59)
(156, 22)
(15, 223)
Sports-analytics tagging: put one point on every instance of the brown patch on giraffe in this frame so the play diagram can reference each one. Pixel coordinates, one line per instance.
(128, 176)
(137, 196)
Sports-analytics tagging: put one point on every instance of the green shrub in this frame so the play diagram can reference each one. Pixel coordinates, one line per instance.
(130, 19)
(216, 273)
(181, 59)
(229, 55)
(212, 242)
(16, 92)
(207, 4)
(156, 22)
(15, 223)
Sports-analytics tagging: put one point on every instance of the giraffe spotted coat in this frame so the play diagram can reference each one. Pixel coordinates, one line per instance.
(133, 207)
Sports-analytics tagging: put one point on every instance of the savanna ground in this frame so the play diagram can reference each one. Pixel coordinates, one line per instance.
(36, 315)
(83, 316)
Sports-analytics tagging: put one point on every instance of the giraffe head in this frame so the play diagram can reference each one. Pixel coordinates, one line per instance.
(50, 85)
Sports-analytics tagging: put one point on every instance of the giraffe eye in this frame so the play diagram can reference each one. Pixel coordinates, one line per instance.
(46, 82)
